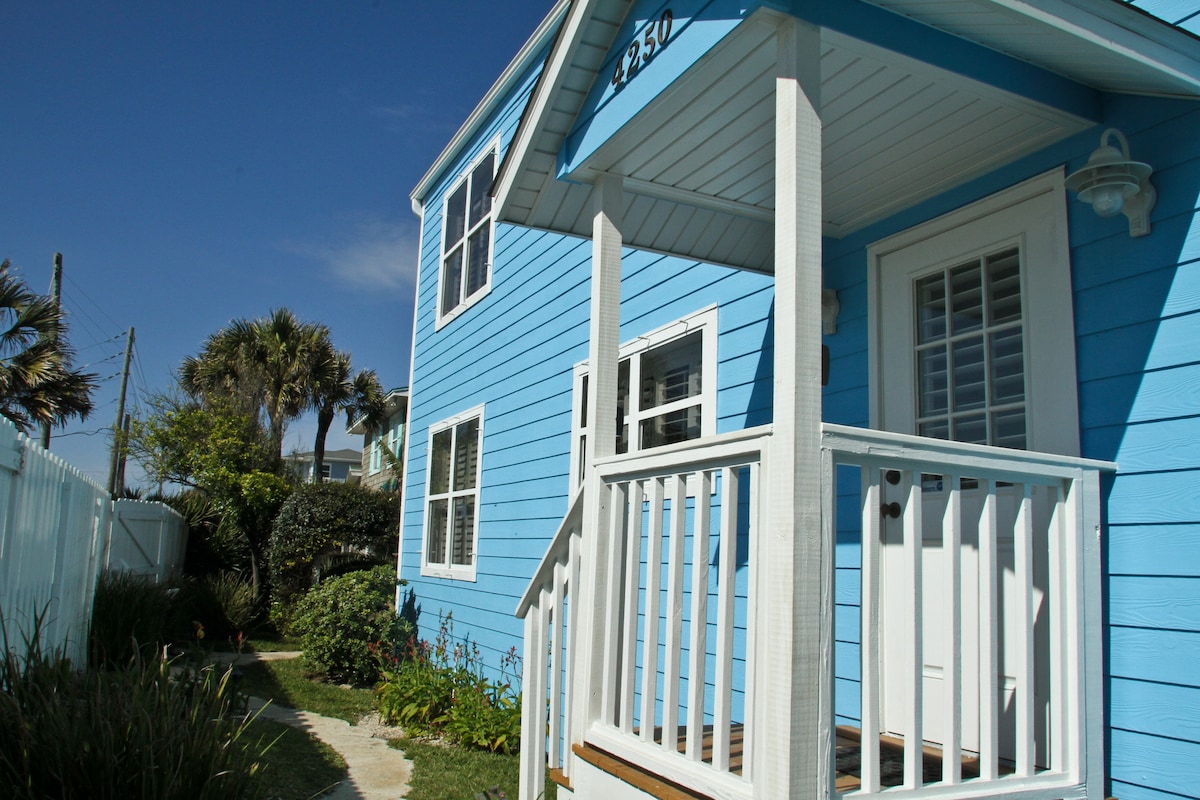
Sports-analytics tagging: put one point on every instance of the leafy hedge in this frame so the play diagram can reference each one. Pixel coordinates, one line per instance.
(324, 528)
(349, 622)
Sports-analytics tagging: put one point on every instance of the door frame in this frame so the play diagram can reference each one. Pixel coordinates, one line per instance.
(1051, 359)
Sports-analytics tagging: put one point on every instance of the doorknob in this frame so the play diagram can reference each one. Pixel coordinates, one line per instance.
(890, 510)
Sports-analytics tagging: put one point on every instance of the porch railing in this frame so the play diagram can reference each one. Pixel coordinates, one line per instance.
(1013, 707)
(669, 642)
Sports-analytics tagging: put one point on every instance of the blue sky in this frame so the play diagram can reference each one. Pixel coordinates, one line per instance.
(197, 162)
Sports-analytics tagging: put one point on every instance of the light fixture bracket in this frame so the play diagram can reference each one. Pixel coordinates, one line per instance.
(1112, 183)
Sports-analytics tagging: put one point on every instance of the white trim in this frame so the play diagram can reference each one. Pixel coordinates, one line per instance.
(443, 319)
(1047, 295)
(704, 320)
(448, 570)
(486, 106)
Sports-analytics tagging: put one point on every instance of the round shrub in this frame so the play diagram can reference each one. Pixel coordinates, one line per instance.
(348, 621)
(325, 528)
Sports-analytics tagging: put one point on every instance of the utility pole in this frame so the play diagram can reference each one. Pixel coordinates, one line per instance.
(56, 296)
(119, 425)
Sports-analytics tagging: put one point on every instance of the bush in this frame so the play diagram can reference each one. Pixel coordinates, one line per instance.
(131, 618)
(347, 622)
(142, 732)
(326, 528)
(442, 689)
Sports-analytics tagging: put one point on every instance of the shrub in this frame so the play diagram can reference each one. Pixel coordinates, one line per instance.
(142, 732)
(347, 621)
(235, 599)
(325, 528)
(131, 617)
(442, 689)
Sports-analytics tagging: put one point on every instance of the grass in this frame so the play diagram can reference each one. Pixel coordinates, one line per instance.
(285, 683)
(298, 766)
(442, 772)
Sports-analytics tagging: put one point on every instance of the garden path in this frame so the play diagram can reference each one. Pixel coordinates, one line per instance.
(376, 771)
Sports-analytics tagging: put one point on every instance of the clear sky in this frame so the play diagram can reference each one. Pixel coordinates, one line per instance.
(197, 162)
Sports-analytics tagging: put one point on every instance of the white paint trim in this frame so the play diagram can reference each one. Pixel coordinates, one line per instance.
(465, 572)
(442, 320)
(706, 321)
(483, 111)
(1047, 295)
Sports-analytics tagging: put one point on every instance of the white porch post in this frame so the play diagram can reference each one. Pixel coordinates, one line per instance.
(604, 332)
(795, 653)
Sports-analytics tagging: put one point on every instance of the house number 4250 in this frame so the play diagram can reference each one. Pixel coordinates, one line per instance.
(639, 51)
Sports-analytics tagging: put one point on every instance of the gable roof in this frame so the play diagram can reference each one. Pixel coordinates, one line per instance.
(1058, 50)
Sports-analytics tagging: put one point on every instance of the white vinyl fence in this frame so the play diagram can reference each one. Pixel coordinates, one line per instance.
(58, 530)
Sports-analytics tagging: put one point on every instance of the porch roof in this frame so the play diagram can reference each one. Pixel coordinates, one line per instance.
(695, 148)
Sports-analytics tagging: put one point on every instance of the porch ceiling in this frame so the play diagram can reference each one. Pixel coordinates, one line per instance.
(698, 160)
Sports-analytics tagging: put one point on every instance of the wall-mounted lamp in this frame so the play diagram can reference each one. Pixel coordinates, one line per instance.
(830, 307)
(1113, 184)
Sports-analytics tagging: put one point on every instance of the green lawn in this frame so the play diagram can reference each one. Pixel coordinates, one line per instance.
(285, 683)
(442, 772)
(298, 766)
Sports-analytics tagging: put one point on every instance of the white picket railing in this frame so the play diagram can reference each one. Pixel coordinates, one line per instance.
(550, 615)
(674, 593)
(1016, 634)
(55, 529)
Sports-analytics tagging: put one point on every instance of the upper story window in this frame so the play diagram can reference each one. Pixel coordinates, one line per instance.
(666, 389)
(452, 496)
(466, 272)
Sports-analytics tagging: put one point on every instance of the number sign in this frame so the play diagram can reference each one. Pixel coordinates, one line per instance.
(645, 43)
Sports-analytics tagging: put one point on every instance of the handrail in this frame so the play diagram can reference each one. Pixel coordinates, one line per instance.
(982, 461)
(554, 554)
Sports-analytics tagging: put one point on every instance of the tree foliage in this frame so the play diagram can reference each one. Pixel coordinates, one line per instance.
(328, 527)
(266, 366)
(338, 389)
(38, 384)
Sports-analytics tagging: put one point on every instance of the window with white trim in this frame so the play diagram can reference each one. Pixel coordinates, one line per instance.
(452, 496)
(466, 271)
(666, 389)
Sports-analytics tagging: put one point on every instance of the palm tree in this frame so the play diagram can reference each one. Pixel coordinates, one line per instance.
(37, 384)
(269, 364)
(360, 396)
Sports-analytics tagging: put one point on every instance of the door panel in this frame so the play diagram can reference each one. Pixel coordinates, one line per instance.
(973, 341)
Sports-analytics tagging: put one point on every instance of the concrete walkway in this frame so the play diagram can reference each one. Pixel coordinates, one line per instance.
(375, 770)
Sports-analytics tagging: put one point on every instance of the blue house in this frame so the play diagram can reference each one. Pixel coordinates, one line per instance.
(817, 382)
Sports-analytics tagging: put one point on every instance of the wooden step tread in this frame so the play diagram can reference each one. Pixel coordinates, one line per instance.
(635, 776)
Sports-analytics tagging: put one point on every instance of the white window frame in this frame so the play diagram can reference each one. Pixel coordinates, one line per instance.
(447, 569)
(445, 317)
(704, 320)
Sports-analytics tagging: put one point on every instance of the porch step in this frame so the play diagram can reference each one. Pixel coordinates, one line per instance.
(653, 785)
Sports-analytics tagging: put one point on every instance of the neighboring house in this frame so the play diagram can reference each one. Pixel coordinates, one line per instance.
(343, 466)
(378, 471)
(666, 226)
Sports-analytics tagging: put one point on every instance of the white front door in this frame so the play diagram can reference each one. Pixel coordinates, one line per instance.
(973, 342)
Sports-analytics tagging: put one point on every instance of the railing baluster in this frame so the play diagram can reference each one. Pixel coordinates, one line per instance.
(910, 486)
(751, 625)
(989, 638)
(556, 629)
(1024, 644)
(699, 629)
(633, 560)
(533, 725)
(574, 564)
(674, 616)
(723, 691)
(1059, 581)
(952, 663)
(869, 634)
(613, 596)
(652, 612)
